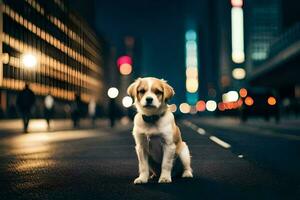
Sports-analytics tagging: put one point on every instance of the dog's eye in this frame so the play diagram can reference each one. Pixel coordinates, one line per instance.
(158, 92)
(142, 91)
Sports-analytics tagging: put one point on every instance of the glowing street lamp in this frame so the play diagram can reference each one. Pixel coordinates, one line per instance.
(29, 60)
(113, 92)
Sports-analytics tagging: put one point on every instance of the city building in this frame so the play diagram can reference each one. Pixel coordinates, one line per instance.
(275, 44)
(46, 44)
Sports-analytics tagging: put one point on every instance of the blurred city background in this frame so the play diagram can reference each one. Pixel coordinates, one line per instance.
(222, 58)
(234, 65)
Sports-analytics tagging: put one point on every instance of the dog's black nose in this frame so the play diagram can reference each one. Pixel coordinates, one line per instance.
(149, 100)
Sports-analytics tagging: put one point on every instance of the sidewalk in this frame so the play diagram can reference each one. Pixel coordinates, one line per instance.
(36, 125)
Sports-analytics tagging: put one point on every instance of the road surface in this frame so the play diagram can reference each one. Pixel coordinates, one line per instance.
(231, 162)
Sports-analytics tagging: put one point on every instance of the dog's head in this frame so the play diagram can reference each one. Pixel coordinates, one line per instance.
(150, 94)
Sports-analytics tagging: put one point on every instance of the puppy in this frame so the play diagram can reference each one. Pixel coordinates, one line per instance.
(154, 118)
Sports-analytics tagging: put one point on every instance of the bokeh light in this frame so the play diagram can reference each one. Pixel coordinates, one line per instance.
(191, 72)
(211, 105)
(237, 3)
(29, 60)
(221, 106)
(124, 60)
(237, 35)
(127, 101)
(243, 92)
(191, 85)
(125, 69)
(190, 35)
(173, 108)
(249, 101)
(239, 73)
(230, 96)
(112, 92)
(200, 106)
(271, 101)
(184, 108)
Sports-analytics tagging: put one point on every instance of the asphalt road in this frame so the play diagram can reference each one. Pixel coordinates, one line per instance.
(101, 164)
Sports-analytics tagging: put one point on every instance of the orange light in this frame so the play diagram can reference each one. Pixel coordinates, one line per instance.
(221, 106)
(239, 103)
(271, 101)
(200, 106)
(243, 92)
(249, 101)
(125, 69)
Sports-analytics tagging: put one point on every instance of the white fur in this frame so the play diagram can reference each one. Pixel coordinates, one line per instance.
(163, 128)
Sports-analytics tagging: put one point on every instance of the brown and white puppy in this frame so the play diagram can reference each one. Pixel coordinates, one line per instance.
(154, 118)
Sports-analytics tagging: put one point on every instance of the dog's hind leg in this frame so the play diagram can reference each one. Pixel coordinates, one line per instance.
(185, 158)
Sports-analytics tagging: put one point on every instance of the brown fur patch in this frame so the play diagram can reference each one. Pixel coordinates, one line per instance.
(158, 89)
(142, 89)
(168, 91)
(177, 138)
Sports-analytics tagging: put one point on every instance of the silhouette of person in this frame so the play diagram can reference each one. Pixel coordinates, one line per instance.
(25, 102)
(112, 112)
(76, 110)
(49, 108)
(92, 110)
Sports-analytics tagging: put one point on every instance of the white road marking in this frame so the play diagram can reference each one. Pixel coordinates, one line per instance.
(241, 156)
(201, 131)
(220, 142)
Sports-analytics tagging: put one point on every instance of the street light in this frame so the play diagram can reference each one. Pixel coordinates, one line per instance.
(29, 60)
(113, 92)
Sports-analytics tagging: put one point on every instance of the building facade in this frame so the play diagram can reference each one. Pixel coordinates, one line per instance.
(46, 44)
(274, 46)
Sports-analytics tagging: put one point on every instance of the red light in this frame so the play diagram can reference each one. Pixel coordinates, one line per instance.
(237, 3)
(221, 106)
(200, 106)
(124, 60)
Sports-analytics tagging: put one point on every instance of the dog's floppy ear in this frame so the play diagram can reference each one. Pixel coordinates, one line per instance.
(131, 90)
(168, 90)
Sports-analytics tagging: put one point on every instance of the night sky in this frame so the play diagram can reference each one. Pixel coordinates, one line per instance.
(159, 28)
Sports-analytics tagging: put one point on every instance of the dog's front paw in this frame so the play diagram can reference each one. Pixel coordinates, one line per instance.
(165, 179)
(140, 180)
(187, 174)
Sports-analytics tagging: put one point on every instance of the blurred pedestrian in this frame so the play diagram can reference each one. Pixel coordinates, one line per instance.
(25, 102)
(49, 108)
(112, 112)
(92, 111)
(76, 110)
